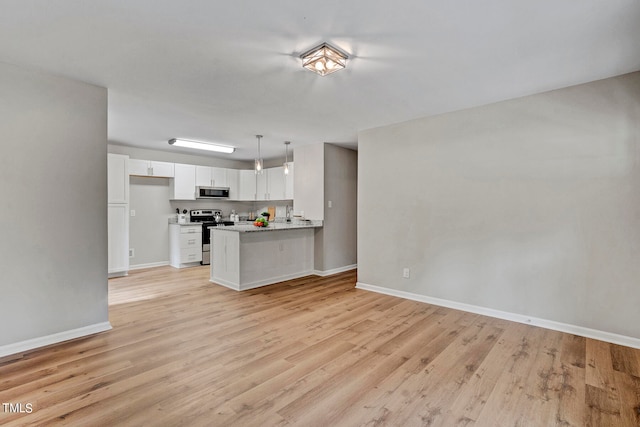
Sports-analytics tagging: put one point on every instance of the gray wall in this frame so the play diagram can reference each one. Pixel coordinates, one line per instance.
(308, 181)
(530, 206)
(149, 230)
(336, 242)
(53, 255)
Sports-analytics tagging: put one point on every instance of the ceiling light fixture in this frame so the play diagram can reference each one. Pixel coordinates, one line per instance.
(201, 145)
(258, 161)
(286, 157)
(324, 59)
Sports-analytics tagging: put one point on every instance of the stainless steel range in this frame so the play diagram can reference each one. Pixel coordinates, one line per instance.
(208, 218)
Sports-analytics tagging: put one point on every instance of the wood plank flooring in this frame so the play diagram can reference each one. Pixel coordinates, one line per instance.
(313, 352)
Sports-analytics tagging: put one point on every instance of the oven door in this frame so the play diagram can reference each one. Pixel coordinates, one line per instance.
(206, 242)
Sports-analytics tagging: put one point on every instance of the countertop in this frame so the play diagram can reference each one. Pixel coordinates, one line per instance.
(175, 221)
(248, 227)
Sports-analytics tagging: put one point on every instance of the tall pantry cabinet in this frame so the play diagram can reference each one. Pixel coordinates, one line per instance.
(118, 214)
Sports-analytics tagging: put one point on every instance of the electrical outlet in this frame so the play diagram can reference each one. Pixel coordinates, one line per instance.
(406, 272)
(132, 253)
(330, 204)
(133, 212)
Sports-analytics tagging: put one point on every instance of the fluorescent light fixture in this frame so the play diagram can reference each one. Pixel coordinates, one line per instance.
(202, 145)
(324, 59)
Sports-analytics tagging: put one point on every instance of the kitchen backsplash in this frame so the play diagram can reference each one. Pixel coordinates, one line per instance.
(241, 208)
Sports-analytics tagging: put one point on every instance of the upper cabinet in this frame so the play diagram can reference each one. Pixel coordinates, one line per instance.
(243, 184)
(272, 184)
(207, 176)
(233, 182)
(151, 168)
(262, 189)
(247, 183)
(118, 178)
(275, 183)
(183, 185)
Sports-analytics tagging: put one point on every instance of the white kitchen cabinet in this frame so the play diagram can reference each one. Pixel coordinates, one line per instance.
(203, 176)
(233, 182)
(151, 168)
(185, 245)
(247, 184)
(183, 185)
(117, 214)
(275, 183)
(288, 183)
(118, 239)
(219, 176)
(270, 185)
(117, 178)
(207, 176)
(138, 167)
(262, 186)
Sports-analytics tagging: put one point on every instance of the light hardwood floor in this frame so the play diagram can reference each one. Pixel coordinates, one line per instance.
(314, 352)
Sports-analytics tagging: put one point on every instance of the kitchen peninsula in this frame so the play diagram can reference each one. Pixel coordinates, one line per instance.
(245, 256)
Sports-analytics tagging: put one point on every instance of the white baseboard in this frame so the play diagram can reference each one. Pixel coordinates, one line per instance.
(514, 317)
(323, 273)
(260, 283)
(22, 346)
(148, 265)
(118, 274)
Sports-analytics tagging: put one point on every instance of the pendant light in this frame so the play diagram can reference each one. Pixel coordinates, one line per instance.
(286, 157)
(258, 162)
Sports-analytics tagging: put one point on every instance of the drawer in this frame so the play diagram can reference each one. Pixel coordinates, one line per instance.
(190, 229)
(190, 241)
(190, 255)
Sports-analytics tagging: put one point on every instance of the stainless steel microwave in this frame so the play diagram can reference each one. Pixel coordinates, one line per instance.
(212, 192)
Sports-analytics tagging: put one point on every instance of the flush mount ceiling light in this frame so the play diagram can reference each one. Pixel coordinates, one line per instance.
(324, 59)
(201, 145)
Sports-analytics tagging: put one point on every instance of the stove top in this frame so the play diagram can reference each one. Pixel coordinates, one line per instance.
(205, 215)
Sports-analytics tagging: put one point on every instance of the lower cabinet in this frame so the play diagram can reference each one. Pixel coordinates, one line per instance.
(118, 239)
(185, 245)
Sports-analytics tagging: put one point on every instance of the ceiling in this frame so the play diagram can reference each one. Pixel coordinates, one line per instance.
(224, 71)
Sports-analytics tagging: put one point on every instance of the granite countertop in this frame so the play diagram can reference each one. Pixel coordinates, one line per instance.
(248, 227)
(175, 221)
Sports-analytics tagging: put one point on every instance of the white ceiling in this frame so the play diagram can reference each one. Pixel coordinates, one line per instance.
(226, 70)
